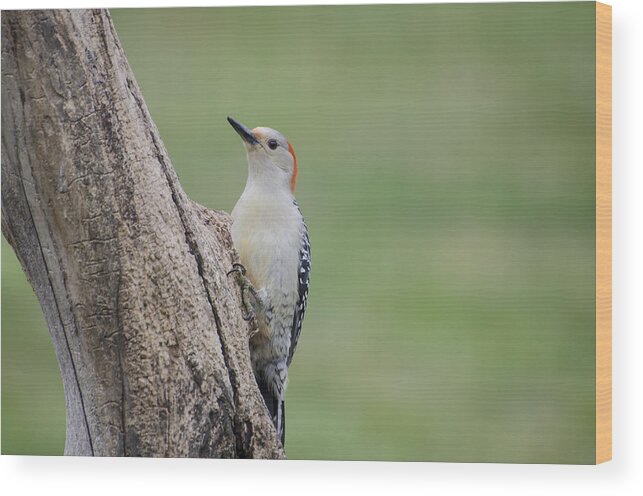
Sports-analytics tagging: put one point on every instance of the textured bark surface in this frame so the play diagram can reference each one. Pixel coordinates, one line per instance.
(130, 273)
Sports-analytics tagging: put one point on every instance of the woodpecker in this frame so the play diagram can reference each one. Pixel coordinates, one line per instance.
(270, 235)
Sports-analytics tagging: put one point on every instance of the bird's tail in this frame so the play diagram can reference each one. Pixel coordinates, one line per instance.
(276, 407)
(281, 424)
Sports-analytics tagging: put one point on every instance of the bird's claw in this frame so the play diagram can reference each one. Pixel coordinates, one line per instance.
(238, 268)
(246, 287)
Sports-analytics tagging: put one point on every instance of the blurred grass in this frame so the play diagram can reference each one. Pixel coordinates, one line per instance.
(446, 160)
(33, 403)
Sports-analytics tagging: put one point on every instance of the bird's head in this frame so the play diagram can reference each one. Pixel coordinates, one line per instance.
(271, 158)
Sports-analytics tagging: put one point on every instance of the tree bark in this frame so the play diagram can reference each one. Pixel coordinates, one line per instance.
(130, 273)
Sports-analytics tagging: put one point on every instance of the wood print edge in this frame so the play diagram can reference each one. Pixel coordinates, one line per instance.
(603, 232)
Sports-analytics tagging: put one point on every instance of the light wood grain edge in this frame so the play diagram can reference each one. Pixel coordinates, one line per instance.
(603, 232)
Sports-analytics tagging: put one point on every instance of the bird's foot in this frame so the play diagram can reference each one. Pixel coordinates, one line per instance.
(247, 290)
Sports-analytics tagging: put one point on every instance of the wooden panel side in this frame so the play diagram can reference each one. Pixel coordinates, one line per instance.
(603, 232)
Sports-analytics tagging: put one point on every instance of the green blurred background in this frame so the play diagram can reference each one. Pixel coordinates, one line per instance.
(446, 157)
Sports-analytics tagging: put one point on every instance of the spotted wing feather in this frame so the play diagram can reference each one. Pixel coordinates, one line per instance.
(304, 279)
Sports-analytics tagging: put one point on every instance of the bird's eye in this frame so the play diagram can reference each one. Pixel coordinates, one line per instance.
(272, 143)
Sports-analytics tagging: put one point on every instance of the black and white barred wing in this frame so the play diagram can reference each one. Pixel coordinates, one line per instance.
(300, 309)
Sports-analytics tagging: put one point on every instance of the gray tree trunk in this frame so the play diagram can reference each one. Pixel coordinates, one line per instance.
(130, 273)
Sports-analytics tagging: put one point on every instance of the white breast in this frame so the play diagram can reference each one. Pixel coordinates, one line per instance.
(267, 231)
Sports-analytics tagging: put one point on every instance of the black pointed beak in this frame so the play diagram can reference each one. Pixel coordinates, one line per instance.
(243, 131)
